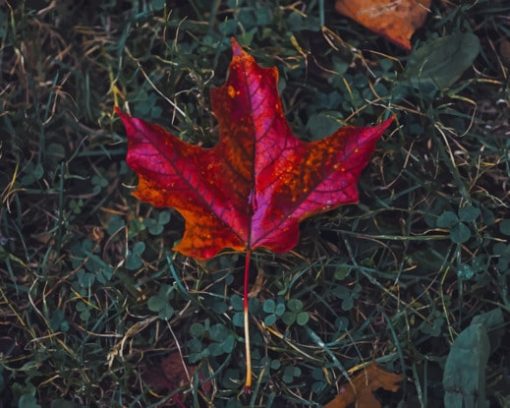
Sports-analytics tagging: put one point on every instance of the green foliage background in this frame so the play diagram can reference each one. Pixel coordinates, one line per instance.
(415, 277)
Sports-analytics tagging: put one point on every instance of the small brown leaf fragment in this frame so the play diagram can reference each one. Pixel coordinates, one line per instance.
(258, 285)
(397, 20)
(96, 233)
(504, 51)
(166, 377)
(361, 388)
(170, 374)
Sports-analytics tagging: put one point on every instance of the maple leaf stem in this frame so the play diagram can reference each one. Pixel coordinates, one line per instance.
(248, 381)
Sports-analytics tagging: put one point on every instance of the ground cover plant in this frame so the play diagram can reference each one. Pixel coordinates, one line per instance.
(95, 308)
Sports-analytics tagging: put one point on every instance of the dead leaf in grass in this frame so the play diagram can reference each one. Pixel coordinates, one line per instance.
(171, 374)
(397, 20)
(361, 388)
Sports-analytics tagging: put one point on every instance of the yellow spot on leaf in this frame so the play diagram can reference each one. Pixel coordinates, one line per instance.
(231, 91)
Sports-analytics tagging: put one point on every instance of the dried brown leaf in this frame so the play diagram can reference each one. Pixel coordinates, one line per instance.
(397, 20)
(360, 391)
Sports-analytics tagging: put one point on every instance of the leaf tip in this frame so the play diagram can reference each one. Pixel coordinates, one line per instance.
(385, 124)
(237, 50)
(123, 116)
(127, 121)
(117, 111)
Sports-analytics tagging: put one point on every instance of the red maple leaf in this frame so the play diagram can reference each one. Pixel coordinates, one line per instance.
(253, 188)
